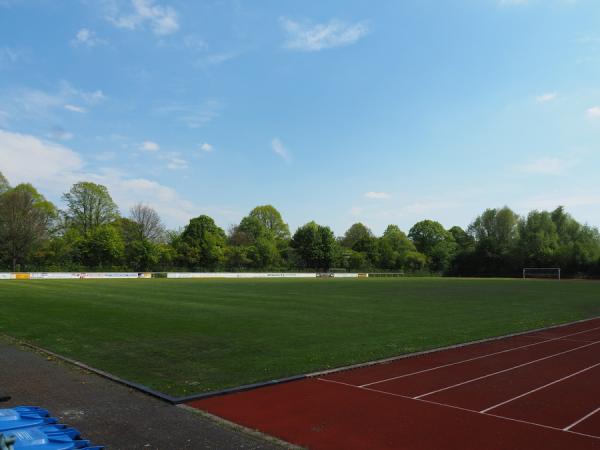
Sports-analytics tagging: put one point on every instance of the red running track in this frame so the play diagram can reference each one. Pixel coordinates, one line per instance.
(539, 390)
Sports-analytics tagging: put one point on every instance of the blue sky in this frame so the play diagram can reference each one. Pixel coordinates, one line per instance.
(337, 111)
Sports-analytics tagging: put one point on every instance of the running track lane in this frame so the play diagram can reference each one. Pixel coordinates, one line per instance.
(556, 389)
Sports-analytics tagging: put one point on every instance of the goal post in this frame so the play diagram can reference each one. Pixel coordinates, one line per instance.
(541, 272)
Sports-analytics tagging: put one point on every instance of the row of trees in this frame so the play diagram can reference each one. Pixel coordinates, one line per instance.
(90, 234)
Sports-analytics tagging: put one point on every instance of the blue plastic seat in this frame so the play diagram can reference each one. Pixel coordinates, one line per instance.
(24, 417)
(51, 437)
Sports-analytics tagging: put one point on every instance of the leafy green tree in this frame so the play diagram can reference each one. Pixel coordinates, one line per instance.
(202, 244)
(435, 242)
(236, 257)
(141, 253)
(415, 261)
(102, 247)
(497, 229)
(579, 245)
(359, 238)
(250, 229)
(539, 241)
(496, 235)
(464, 240)
(89, 205)
(271, 219)
(257, 239)
(314, 245)
(26, 218)
(393, 248)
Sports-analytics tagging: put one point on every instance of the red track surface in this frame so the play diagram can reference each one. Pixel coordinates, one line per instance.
(536, 391)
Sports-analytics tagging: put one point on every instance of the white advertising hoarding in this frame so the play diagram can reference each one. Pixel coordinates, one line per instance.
(239, 275)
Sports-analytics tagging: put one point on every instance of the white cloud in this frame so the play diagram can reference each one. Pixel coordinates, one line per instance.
(86, 38)
(377, 195)
(164, 199)
(28, 159)
(75, 108)
(163, 20)
(547, 97)
(206, 147)
(547, 166)
(280, 150)
(53, 168)
(594, 112)
(149, 146)
(306, 36)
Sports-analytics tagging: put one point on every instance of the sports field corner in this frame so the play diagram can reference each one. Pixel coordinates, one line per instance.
(359, 357)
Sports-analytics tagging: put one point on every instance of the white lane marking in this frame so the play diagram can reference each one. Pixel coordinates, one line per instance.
(472, 359)
(540, 388)
(587, 416)
(505, 370)
(458, 408)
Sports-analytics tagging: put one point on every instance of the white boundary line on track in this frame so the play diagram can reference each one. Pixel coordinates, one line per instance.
(540, 388)
(474, 358)
(587, 416)
(505, 370)
(458, 408)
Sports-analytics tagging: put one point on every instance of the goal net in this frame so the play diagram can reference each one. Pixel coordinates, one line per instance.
(541, 272)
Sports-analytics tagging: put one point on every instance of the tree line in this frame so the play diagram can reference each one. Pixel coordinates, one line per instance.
(91, 235)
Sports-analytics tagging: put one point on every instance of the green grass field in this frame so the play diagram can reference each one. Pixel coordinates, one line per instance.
(189, 336)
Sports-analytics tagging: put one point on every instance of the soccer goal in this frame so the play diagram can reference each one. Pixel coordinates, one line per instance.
(541, 272)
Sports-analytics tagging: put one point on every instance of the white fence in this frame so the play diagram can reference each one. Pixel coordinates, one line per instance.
(240, 275)
(136, 275)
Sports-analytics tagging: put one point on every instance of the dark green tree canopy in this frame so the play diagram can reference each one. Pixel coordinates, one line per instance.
(89, 205)
(435, 242)
(428, 234)
(202, 244)
(464, 240)
(315, 245)
(358, 237)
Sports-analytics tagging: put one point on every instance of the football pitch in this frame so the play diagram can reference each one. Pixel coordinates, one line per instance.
(190, 336)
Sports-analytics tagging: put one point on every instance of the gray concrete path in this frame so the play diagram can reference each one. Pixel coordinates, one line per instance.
(108, 413)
